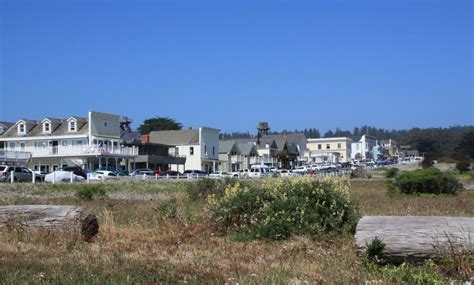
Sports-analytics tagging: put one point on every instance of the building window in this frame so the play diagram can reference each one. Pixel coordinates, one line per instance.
(11, 146)
(328, 146)
(339, 146)
(205, 149)
(47, 127)
(72, 126)
(319, 146)
(22, 145)
(64, 143)
(191, 150)
(213, 150)
(21, 128)
(105, 124)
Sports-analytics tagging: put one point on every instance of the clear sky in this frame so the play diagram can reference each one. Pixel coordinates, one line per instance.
(230, 64)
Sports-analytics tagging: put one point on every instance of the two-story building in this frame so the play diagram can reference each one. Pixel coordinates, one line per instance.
(199, 146)
(234, 155)
(333, 150)
(363, 149)
(390, 147)
(90, 142)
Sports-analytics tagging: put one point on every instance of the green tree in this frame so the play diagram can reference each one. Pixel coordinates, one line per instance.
(465, 148)
(159, 124)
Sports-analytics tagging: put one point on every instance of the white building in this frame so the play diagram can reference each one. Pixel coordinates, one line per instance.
(199, 146)
(333, 150)
(363, 149)
(90, 142)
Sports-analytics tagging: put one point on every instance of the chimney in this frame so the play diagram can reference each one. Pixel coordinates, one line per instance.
(145, 138)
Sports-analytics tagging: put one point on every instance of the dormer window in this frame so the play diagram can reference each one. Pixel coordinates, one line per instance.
(47, 127)
(72, 126)
(21, 129)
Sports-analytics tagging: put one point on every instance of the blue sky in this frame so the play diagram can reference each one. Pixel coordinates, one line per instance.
(230, 64)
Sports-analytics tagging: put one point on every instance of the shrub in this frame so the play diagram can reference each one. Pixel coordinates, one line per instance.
(391, 172)
(427, 162)
(375, 250)
(207, 186)
(463, 166)
(89, 191)
(431, 181)
(279, 208)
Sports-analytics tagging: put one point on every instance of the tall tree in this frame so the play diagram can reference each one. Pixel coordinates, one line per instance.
(159, 124)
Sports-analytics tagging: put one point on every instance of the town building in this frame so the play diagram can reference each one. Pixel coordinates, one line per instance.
(390, 147)
(90, 142)
(200, 147)
(332, 150)
(363, 149)
(234, 156)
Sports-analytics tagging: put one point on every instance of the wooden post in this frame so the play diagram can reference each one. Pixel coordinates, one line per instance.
(413, 238)
(12, 176)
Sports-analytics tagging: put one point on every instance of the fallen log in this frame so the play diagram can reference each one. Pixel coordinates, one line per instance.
(415, 239)
(61, 218)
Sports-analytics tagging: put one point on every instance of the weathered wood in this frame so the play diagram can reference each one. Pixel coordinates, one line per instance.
(62, 218)
(414, 239)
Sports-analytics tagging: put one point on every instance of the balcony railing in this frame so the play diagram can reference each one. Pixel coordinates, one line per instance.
(264, 160)
(236, 158)
(86, 150)
(11, 155)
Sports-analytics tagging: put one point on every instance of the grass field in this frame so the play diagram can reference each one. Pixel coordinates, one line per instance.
(152, 233)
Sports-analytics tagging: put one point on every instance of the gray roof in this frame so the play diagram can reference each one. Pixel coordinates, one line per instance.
(246, 147)
(184, 137)
(226, 146)
(37, 130)
(6, 124)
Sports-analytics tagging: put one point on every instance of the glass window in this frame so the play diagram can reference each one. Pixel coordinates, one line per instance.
(328, 146)
(22, 145)
(72, 126)
(47, 127)
(11, 145)
(191, 150)
(105, 124)
(213, 150)
(64, 142)
(339, 145)
(21, 128)
(319, 146)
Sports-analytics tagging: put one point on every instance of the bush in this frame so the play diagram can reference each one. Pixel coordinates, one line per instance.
(207, 186)
(431, 181)
(391, 172)
(89, 191)
(427, 162)
(279, 208)
(463, 166)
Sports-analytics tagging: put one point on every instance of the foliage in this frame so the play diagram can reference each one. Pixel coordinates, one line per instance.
(465, 148)
(89, 191)
(280, 208)
(358, 156)
(207, 186)
(159, 124)
(375, 250)
(463, 166)
(405, 273)
(427, 162)
(360, 172)
(430, 180)
(391, 172)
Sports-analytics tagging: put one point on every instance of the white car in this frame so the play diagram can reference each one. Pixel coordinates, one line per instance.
(220, 174)
(103, 175)
(62, 176)
(287, 173)
(300, 169)
(244, 173)
(259, 171)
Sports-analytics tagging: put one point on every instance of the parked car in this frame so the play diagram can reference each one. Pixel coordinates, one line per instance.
(121, 172)
(142, 172)
(300, 169)
(171, 173)
(243, 173)
(195, 173)
(20, 174)
(62, 176)
(220, 174)
(259, 171)
(77, 170)
(103, 175)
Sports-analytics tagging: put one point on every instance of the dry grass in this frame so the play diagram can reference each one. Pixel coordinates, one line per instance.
(140, 243)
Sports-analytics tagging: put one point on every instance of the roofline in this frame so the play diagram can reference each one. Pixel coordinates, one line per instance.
(335, 138)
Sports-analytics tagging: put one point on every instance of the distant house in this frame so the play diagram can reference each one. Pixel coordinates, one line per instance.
(408, 152)
(200, 147)
(333, 150)
(363, 149)
(390, 146)
(234, 156)
(4, 126)
(90, 142)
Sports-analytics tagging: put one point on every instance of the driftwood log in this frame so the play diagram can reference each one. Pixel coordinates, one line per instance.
(61, 218)
(414, 239)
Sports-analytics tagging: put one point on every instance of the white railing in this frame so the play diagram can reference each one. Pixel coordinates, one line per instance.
(236, 158)
(11, 155)
(265, 160)
(83, 150)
